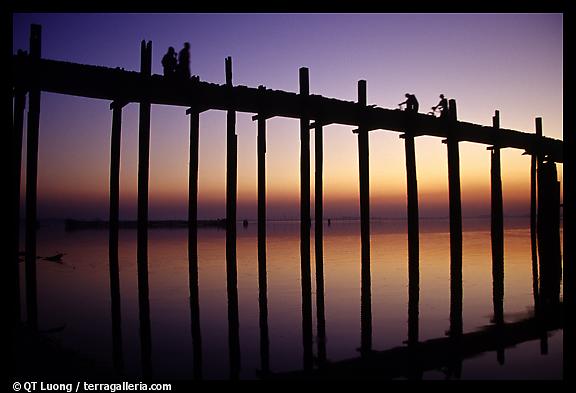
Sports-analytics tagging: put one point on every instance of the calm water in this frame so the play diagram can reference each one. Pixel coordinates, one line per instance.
(75, 295)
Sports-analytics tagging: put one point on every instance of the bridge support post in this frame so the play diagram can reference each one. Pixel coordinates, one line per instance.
(32, 185)
(497, 234)
(231, 268)
(534, 162)
(549, 234)
(305, 220)
(113, 220)
(319, 239)
(364, 177)
(262, 270)
(142, 237)
(455, 206)
(15, 177)
(413, 234)
(193, 241)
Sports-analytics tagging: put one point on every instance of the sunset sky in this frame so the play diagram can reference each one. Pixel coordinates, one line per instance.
(509, 62)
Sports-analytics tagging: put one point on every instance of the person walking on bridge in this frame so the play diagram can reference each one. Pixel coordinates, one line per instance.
(184, 61)
(169, 62)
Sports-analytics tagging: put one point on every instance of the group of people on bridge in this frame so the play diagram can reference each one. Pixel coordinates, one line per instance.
(177, 66)
(180, 67)
(412, 105)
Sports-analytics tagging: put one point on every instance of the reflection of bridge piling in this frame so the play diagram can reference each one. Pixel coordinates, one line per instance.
(32, 74)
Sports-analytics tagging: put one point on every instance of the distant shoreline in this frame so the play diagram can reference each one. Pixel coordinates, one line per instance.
(77, 225)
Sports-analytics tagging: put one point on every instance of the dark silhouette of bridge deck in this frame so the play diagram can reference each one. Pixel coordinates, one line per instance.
(32, 74)
(133, 87)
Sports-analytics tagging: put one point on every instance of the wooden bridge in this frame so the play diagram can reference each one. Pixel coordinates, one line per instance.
(32, 74)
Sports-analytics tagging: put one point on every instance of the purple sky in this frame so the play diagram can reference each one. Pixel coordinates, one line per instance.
(510, 62)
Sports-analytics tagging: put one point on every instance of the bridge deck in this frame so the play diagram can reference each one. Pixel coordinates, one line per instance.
(130, 86)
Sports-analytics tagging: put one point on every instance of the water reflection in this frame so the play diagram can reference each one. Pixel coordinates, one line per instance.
(194, 302)
(144, 304)
(116, 313)
(266, 298)
(233, 317)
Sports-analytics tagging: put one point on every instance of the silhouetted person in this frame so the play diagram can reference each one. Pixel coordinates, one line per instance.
(411, 103)
(184, 61)
(442, 106)
(169, 62)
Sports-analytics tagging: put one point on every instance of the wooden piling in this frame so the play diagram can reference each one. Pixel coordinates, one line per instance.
(262, 272)
(231, 268)
(533, 217)
(497, 226)
(14, 211)
(114, 270)
(319, 239)
(305, 220)
(32, 184)
(497, 234)
(115, 146)
(142, 236)
(193, 241)
(413, 234)
(549, 248)
(364, 175)
(455, 207)
(231, 159)
(193, 185)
